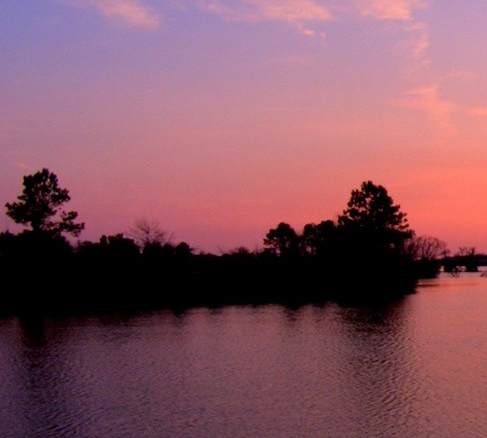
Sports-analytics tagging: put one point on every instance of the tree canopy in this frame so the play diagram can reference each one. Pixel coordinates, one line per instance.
(371, 207)
(368, 252)
(40, 206)
(282, 240)
(372, 215)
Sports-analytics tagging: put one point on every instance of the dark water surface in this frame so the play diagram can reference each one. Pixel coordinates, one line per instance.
(416, 367)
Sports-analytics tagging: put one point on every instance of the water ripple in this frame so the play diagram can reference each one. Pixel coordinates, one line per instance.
(409, 368)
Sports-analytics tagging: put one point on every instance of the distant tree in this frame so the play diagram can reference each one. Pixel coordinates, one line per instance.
(148, 233)
(426, 248)
(183, 250)
(318, 239)
(119, 246)
(240, 251)
(469, 258)
(39, 206)
(466, 251)
(372, 214)
(282, 240)
(428, 254)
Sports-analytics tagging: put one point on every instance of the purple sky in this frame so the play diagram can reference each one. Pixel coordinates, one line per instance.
(219, 119)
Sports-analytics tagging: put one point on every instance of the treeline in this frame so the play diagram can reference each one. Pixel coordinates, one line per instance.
(369, 251)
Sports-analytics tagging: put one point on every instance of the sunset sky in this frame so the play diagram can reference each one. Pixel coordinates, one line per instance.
(218, 119)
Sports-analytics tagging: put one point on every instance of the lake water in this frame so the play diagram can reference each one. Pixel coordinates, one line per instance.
(416, 367)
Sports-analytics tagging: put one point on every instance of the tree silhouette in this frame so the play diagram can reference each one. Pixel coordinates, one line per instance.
(371, 214)
(426, 248)
(318, 239)
(372, 208)
(147, 233)
(39, 206)
(282, 240)
(469, 257)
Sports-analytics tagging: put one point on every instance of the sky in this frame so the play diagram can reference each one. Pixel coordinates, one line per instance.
(215, 120)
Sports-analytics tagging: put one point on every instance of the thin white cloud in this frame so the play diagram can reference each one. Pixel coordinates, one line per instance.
(389, 9)
(301, 13)
(427, 100)
(23, 166)
(298, 13)
(295, 12)
(422, 42)
(291, 10)
(419, 44)
(401, 12)
(308, 32)
(131, 12)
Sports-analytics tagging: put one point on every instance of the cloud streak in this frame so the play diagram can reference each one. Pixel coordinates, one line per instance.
(131, 12)
(427, 100)
(389, 9)
(300, 13)
(418, 45)
(307, 10)
(401, 11)
(312, 10)
(285, 10)
(291, 10)
(294, 12)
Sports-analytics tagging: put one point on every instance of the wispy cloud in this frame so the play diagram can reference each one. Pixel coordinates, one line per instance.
(291, 10)
(131, 12)
(420, 43)
(295, 12)
(305, 10)
(480, 111)
(401, 12)
(287, 10)
(23, 166)
(389, 9)
(427, 100)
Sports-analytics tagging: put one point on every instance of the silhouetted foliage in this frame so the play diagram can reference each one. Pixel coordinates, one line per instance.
(427, 253)
(283, 240)
(426, 248)
(39, 204)
(319, 239)
(469, 258)
(371, 207)
(148, 233)
(369, 252)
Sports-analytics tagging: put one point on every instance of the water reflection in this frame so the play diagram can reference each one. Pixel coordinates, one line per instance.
(378, 365)
(44, 373)
(336, 370)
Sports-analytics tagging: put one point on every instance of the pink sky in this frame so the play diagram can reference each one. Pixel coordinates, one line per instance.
(219, 119)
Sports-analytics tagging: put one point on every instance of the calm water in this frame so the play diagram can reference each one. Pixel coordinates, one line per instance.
(414, 368)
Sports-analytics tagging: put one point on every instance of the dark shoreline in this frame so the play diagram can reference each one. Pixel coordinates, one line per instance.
(125, 287)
